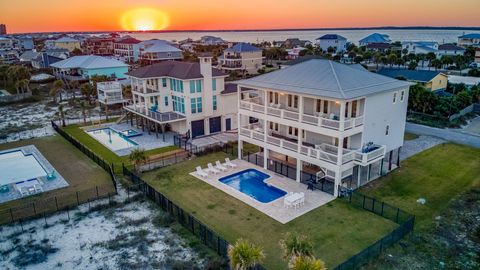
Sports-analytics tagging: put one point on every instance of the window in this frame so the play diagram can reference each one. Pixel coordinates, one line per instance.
(274, 126)
(387, 130)
(195, 86)
(402, 96)
(292, 101)
(166, 100)
(164, 82)
(319, 105)
(292, 131)
(199, 86)
(192, 87)
(325, 106)
(394, 97)
(178, 104)
(214, 103)
(273, 97)
(196, 105)
(176, 85)
(214, 84)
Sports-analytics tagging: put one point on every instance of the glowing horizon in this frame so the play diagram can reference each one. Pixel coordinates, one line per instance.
(115, 15)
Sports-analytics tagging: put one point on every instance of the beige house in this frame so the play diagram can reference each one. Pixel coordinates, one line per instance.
(430, 79)
(242, 57)
(67, 43)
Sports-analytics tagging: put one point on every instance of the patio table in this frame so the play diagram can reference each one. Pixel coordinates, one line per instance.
(293, 198)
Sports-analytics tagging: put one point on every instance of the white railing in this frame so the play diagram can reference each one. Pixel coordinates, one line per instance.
(274, 112)
(366, 158)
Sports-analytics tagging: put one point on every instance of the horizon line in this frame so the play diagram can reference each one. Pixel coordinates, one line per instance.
(419, 27)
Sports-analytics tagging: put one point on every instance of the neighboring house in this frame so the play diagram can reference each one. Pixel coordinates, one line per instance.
(241, 57)
(8, 56)
(58, 52)
(188, 46)
(344, 124)
(6, 44)
(477, 56)
(123, 48)
(469, 40)
(28, 56)
(155, 50)
(101, 45)
(25, 43)
(335, 41)
(431, 80)
(82, 67)
(110, 93)
(294, 53)
(467, 80)
(67, 43)
(44, 60)
(300, 59)
(211, 40)
(295, 42)
(374, 38)
(188, 98)
(378, 47)
(450, 49)
(420, 47)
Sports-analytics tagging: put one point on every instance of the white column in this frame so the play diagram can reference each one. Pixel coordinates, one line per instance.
(299, 170)
(240, 148)
(300, 108)
(342, 116)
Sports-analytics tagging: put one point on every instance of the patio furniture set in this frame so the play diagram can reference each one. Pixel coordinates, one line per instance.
(219, 167)
(294, 199)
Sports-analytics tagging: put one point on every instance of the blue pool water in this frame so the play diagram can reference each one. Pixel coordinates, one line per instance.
(252, 183)
(111, 138)
(16, 167)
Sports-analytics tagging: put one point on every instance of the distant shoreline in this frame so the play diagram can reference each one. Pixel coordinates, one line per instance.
(467, 28)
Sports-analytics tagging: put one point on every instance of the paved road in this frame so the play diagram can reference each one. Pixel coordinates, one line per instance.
(446, 134)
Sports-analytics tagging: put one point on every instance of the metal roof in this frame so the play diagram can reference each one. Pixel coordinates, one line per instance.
(472, 35)
(66, 39)
(411, 75)
(325, 78)
(243, 47)
(332, 36)
(157, 45)
(89, 62)
(375, 38)
(174, 69)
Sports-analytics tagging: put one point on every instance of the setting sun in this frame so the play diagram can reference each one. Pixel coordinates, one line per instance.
(144, 19)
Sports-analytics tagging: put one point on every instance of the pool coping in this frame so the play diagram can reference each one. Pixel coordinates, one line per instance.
(86, 130)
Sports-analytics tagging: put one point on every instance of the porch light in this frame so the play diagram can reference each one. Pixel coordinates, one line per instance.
(337, 102)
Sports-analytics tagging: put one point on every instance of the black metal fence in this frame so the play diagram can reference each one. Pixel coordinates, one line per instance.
(51, 205)
(203, 150)
(405, 220)
(207, 236)
(100, 161)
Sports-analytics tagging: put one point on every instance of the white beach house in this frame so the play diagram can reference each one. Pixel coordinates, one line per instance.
(184, 97)
(344, 124)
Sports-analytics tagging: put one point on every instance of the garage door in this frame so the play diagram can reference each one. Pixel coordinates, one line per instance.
(215, 124)
(198, 128)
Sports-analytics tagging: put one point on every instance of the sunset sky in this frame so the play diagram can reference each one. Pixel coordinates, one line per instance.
(104, 15)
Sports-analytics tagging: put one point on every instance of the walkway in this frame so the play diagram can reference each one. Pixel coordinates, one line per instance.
(455, 136)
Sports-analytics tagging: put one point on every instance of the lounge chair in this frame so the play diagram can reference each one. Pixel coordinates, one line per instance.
(230, 164)
(200, 172)
(212, 169)
(38, 188)
(220, 166)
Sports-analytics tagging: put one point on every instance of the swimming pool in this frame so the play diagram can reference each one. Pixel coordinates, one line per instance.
(252, 183)
(15, 166)
(130, 133)
(111, 138)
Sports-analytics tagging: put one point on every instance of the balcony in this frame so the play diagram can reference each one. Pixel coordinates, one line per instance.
(320, 120)
(369, 154)
(160, 117)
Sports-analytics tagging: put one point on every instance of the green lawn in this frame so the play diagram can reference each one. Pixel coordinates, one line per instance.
(438, 175)
(338, 229)
(79, 171)
(409, 136)
(78, 133)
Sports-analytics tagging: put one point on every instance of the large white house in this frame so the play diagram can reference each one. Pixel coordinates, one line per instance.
(337, 42)
(344, 124)
(241, 57)
(189, 98)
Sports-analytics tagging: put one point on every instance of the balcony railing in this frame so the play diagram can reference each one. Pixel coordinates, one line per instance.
(367, 158)
(159, 116)
(255, 105)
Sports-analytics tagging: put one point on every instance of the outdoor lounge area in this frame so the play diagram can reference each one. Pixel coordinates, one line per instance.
(272, 194)
(25, 172)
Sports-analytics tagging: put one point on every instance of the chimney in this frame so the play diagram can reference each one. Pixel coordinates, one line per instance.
(207, 90)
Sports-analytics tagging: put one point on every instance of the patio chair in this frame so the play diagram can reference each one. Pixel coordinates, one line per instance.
(212, 169)
(51, 176)
(200, 172)
(23, 191)
(38, 188)
(230, 164)
(286, 203)
(220, 166)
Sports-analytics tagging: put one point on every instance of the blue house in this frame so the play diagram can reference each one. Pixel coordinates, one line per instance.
(374, 38)
(83, 67)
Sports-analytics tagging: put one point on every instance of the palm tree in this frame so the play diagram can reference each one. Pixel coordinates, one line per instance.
(56, 88)
(83, 106)
(306, 263)
(137, 156)
(87, 91)
(22, 86)
(244, 255)
(295, 245)
(62, 114)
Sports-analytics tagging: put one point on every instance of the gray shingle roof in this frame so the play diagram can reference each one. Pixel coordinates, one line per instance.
(326, 79)
(174, 69)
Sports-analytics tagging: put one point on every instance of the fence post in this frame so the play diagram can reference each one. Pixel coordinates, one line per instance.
(56, 202)
(96, 188)
(34, 210)
(78, 202)
(11, 214)
(398, 212)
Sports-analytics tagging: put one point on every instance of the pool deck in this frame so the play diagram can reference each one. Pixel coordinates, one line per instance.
(47, 185)
(274, 209)
(145, 141)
